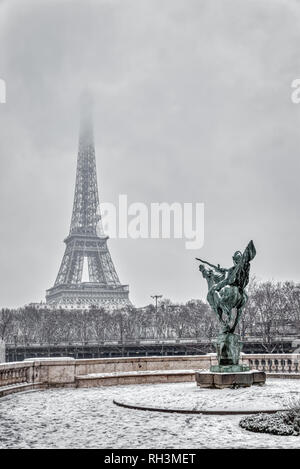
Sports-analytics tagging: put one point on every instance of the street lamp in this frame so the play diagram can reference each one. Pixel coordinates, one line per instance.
(156, 297)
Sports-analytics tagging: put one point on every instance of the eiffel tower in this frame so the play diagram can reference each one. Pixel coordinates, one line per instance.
(87, 276)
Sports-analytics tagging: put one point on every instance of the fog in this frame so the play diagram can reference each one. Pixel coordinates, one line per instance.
(192, 103)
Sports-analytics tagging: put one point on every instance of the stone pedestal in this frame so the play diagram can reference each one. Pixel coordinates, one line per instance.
(211, 379)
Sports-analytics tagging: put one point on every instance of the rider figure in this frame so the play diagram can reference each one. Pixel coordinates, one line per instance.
(229, 274)
(222, 276)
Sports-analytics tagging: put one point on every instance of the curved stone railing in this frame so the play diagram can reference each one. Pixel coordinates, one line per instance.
(16, 377)
(15, 373)
(67, 372)
(275, 363)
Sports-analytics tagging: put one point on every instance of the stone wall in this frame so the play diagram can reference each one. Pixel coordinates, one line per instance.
(127, 364)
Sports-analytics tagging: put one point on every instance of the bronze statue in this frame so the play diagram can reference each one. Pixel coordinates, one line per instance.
(227, 297)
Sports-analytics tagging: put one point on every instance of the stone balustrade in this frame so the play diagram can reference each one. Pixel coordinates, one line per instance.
(275, 363)
(16, 377)
(15, 373)
(67, 372)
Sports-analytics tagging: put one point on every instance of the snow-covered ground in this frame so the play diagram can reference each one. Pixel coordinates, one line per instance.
(273, 395)
(87, 418)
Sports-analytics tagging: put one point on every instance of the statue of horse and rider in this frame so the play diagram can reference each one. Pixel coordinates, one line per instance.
(226, 293)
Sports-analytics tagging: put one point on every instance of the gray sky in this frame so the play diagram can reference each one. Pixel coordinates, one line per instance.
(192, 104)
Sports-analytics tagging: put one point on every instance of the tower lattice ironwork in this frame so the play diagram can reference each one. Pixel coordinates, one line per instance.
(87, 276)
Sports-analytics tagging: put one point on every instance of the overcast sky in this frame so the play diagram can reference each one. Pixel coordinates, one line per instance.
(192, 103)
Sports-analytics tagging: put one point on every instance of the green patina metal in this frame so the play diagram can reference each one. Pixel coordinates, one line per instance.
(229, 368)
(227, 297)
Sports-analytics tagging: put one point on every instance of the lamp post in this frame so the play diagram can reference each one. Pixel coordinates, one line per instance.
(156, 297)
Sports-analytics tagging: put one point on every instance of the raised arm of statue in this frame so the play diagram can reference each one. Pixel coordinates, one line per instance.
(215, 267)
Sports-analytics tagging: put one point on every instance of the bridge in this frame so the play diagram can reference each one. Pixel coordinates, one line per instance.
(144, 347)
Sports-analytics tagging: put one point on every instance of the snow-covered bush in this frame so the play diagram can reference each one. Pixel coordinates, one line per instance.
(281, 423)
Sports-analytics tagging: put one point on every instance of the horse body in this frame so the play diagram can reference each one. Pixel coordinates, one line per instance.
(225, 300)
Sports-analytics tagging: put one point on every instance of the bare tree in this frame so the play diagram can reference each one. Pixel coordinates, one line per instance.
(6, 319)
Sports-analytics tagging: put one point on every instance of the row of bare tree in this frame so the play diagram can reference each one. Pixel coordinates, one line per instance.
(273, 310)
